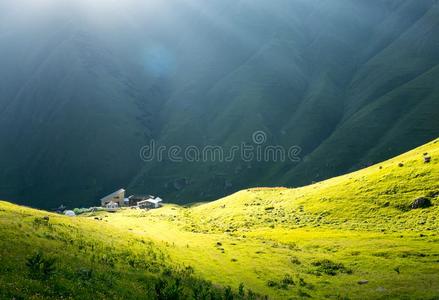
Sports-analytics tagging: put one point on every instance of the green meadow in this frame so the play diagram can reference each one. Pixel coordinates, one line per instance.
(356, 236)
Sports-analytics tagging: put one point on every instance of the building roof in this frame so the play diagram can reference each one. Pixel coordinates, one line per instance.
(153, 201)
(114, 193)
(157, 200)
(144, 197)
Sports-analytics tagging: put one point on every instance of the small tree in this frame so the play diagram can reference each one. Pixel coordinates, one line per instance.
(40, 267)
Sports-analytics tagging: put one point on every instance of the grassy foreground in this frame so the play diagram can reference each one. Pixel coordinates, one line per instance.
(350, 237)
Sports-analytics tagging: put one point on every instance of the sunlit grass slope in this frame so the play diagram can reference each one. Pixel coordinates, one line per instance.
(362, 222)
(88, 259)
(375, 198)
(351, 237)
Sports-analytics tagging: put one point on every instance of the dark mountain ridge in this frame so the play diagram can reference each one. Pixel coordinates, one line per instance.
(85, 86)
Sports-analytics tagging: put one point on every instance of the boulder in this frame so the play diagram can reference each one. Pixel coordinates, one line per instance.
(421, 202)
(363, 281)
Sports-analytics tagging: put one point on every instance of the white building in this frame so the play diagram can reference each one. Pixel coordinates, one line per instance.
(69, 213)
(116, 197)
(112, 206)
(150, 203)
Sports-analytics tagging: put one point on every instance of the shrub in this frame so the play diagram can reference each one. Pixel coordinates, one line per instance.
(40, 267)
(79, 211)
(295, 260)
(287, 280)
(37, 222)
(303, 283)
(329, 267)
(303, 294)
(188, 271)
(200, 290)
(168, 289)
(271, 283)
(282, 284)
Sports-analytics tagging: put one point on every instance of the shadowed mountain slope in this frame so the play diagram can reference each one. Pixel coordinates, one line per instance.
(84, 87)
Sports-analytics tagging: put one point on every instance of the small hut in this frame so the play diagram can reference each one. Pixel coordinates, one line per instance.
(112, 206)
(133, 200)
(150, 203)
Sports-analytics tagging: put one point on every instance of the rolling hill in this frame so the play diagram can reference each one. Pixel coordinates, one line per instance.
(85, 86)
(362, 235)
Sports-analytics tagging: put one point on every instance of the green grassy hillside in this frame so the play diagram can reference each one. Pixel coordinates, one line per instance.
(350, 237)
(49, 256)
(375, 198)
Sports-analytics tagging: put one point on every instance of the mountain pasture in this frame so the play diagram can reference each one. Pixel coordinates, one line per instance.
(351, 237)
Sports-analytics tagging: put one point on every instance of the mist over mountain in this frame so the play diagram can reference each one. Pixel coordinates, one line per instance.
(86, 84)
